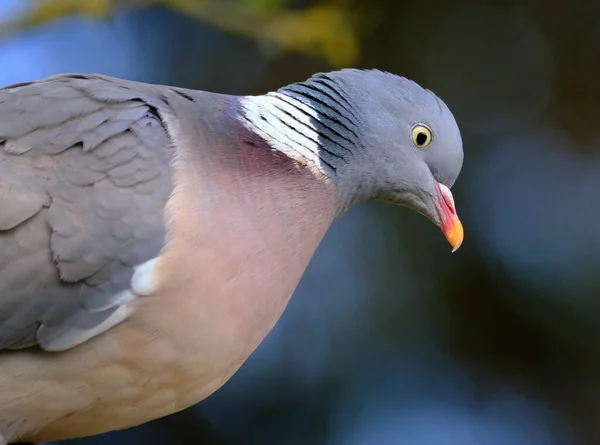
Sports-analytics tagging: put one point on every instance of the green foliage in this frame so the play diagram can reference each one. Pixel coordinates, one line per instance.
(326, 29)
(264, 4)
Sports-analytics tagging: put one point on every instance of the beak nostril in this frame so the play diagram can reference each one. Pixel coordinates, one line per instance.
(448, 198)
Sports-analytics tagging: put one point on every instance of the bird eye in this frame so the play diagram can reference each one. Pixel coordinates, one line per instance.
(421, 136)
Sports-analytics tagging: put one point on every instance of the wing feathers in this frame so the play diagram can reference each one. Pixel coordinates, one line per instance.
(84, 178)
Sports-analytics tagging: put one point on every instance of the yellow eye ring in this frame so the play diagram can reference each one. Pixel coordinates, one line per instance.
(421, 136)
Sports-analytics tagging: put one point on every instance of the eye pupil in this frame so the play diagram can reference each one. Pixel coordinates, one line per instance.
(421, 139)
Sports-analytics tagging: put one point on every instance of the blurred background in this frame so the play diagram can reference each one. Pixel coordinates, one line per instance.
(390, 338)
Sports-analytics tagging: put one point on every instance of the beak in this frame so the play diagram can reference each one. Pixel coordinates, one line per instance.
(449, 222)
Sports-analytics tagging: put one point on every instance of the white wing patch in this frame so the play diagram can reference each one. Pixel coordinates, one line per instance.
(287, 125)
(143, 281)
(76, 329)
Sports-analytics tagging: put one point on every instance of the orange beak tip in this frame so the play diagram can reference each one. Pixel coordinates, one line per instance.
(454, 234)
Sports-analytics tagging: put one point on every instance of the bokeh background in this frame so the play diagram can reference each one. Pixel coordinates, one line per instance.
(390, 338)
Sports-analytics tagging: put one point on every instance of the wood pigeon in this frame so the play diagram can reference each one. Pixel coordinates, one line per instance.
(151, 236)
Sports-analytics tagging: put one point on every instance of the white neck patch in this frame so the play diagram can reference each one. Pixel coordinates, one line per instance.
(285, 124)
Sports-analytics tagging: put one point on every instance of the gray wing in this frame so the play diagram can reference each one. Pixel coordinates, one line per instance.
(84, 178)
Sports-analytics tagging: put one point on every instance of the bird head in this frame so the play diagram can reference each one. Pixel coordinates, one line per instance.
(382, 136)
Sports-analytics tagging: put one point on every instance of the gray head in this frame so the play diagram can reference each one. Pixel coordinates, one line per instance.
(375, 135)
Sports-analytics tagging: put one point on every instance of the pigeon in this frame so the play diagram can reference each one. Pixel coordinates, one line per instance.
(151, 236)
